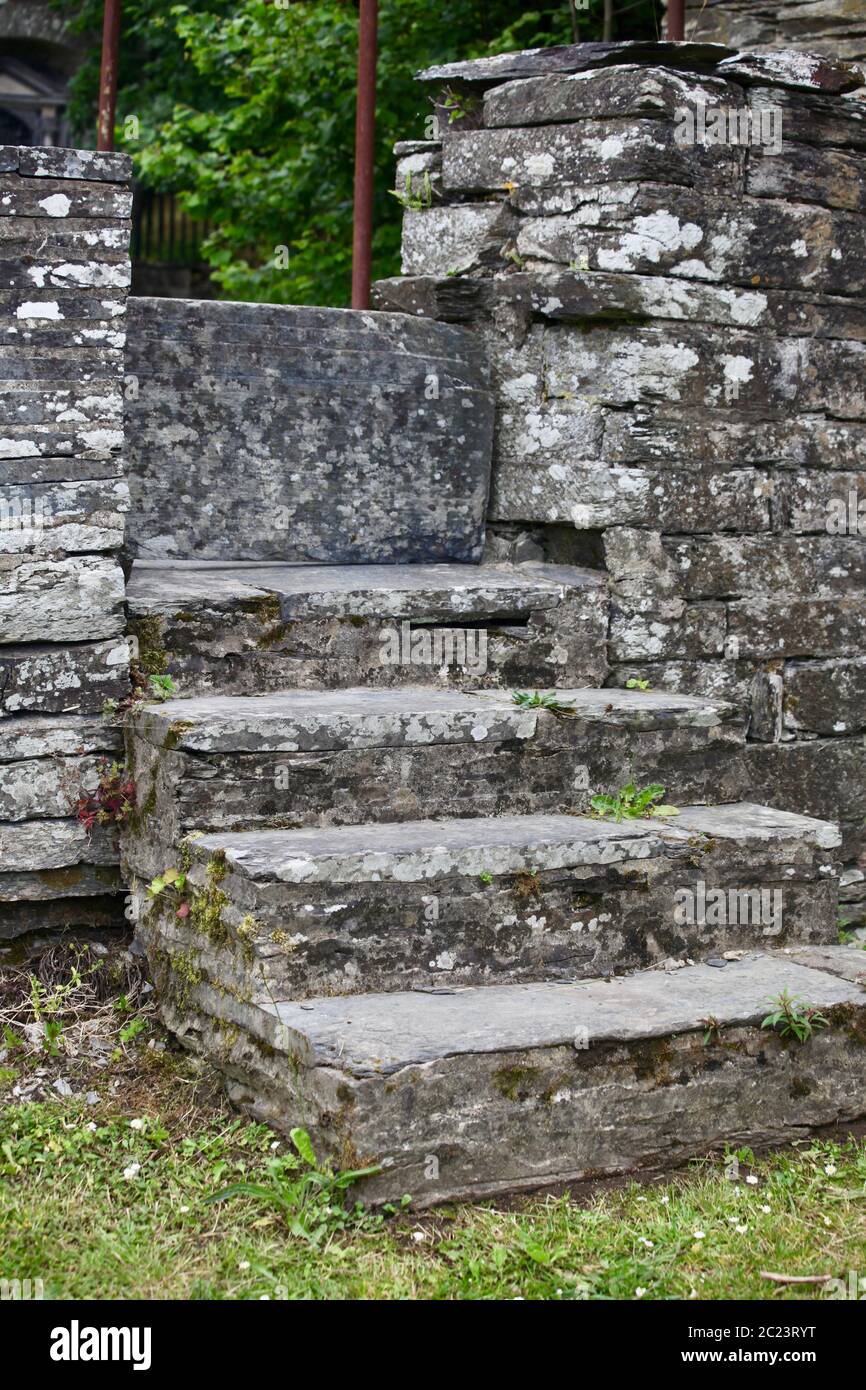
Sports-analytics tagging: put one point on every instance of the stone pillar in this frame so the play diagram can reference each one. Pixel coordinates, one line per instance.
(668, 269)
(64, 279)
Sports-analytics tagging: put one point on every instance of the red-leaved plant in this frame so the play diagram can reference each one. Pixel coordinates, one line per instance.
(113, 800)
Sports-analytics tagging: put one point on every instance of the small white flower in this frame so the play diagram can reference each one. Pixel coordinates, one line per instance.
(766, 1208)
(827, 1221)
(92, 1127)
(665, 1201)
(132, 1171)
(752, 1180)
(275, 1145)
(647, 1243)
(699, 1235)
(640, 1199)
(418, 1236)
(183, 1209)
(639, 1293)
(741, 1230)
(136, 1124)
(244, 1264)
(830, 1169)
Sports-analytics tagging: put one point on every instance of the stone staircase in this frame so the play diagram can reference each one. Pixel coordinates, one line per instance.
(397, 923)
(373, 886)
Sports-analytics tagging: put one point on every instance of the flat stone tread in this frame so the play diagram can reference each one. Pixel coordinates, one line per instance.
(410, 714)
(426, 849)
(731, 822)
(849, 962)
(411, 850)
(155, 585)
(381, 1033)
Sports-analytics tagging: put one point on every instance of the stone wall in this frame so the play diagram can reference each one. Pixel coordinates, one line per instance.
(64, 275)
(833, 27)
(287, 433)
(677, 329)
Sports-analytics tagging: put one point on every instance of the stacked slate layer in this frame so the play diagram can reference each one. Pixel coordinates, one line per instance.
(678, 339)
(64, 277)
(836, 27)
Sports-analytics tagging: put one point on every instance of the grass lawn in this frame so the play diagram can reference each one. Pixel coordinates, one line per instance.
(113, 1145)
(110, 1201)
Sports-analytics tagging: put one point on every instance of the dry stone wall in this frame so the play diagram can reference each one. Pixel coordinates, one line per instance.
(836, 27)
(667, 265)
(64, 277)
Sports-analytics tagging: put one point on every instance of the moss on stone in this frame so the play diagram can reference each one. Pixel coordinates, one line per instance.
(207, 904)
(149, 630)
(176, 730)
(514, 1083)
(185, 970)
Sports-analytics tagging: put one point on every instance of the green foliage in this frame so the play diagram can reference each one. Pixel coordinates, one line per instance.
(792, 1017)
(307, 1197)
(539, 700)
(162, 687)
(71, 1212)
(171, 883)
(631, 804)
(635, 683)
(247, 110)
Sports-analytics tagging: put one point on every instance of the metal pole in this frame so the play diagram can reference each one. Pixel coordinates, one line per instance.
(607, 32)
(108, 75)
(676, 20)
(365, 126)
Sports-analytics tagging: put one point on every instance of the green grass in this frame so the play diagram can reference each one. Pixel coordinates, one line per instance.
(68, 1215)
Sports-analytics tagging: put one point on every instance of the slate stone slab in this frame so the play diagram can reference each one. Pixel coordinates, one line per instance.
(603, 94)
(76, 599)
(482, 1091)
(41, 162)
(354, 908)
(566, 58)
(76, 679)
(355, 756)
(590, 153)
(266, 432)
(826, 697)
(837, 29)
(243, 629)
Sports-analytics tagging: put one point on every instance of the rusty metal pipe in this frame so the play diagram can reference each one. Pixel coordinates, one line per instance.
(108, 75)
(365, 129)
(676, 20)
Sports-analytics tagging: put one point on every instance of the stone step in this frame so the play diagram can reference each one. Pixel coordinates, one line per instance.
(471, 1092)
(248, 628)
(339, 757)
(425, 904)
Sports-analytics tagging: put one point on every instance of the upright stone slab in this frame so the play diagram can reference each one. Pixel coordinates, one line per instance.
(64, 278)
(275, 432)
(663, 250)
